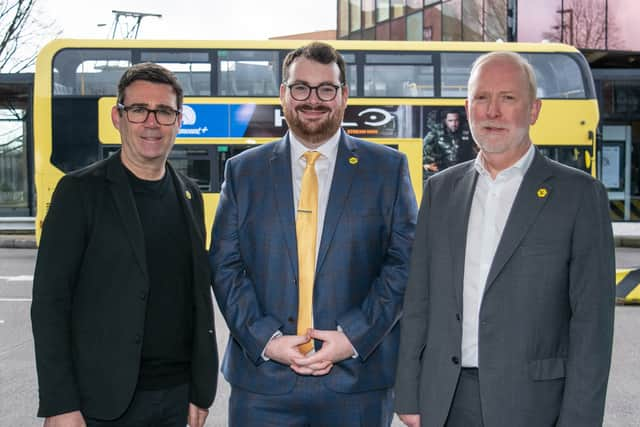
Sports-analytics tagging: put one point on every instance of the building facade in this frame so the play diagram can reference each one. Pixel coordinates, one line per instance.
(606, 31)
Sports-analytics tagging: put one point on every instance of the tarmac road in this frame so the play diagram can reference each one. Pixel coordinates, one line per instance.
(18, 386)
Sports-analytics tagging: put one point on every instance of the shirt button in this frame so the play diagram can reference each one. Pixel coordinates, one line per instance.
(291, 320)
(455, 360)
(143, 295)
(138, 338)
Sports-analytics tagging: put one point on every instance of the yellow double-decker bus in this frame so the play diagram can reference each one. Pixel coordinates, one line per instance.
(401, 94)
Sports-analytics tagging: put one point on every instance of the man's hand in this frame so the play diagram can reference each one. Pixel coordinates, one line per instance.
(197, 416)
(335, 348)
(284, 349)
(69, 419)
(410, 420)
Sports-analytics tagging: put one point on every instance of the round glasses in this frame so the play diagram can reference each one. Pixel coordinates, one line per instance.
(324, 92)
(140, 114)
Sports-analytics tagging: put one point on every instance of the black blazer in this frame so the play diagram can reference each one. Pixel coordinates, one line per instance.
(89, 295)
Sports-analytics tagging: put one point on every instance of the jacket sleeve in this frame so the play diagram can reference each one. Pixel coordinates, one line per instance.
(60, 254)
(368, 325)
(413, 326)
(234, 290)
(592, 301)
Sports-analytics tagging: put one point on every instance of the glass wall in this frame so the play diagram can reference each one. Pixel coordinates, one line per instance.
(590, 24)
(13, 162)
(452, 20)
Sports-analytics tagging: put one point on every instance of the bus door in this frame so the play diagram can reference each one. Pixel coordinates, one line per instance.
(614, 166)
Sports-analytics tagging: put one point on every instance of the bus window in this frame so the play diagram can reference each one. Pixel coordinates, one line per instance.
(89, 71)
(193, 69)
(556, 76)
(351, 73)
(455, 69)
(248, 73)
(576, 157)
(398, 75)
(194, 162)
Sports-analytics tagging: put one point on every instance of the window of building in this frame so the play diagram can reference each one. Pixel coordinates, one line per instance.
(398, 29)
(414, 6)
(472, 19)
(382, 11)
(623, 31)
(452, 20)
(495, 20)
(432, 22)
(414, 26)
(343, 18)
(248, 73)
(397, 8)
(13, 161)
(382, 31)
(354, 14)
(398, 75)
(369, 13)
(536, 20)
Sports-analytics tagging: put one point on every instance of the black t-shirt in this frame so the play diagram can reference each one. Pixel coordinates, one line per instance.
(168, 328)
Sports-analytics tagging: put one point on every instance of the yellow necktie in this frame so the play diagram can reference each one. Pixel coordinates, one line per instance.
(306, 234)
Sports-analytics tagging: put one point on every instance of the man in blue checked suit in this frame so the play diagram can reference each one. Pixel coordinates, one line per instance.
(309, 253)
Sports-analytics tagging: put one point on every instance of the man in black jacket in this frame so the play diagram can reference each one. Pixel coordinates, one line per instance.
(122, 312)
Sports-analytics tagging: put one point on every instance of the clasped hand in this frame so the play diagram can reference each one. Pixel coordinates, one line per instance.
(335, 347)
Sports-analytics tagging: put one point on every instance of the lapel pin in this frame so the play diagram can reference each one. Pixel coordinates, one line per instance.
(353, 160)
(542, 193)
(187, 194)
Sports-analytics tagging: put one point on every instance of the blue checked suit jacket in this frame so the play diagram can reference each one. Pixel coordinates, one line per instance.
(361, 270)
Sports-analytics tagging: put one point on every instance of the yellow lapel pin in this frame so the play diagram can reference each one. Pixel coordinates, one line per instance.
(542, 193)
(353, 160)
(187, 194)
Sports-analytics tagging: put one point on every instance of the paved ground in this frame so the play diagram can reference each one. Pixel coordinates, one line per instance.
(18, 387)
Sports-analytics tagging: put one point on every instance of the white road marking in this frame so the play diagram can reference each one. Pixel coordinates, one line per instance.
(23, 278)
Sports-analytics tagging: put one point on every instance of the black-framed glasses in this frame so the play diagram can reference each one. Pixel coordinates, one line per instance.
(324, 91)
(139, 114)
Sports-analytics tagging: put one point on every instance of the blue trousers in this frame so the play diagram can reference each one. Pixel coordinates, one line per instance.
(310, 404)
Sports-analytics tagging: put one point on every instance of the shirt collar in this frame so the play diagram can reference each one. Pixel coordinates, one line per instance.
(520, 167)
(328, 150)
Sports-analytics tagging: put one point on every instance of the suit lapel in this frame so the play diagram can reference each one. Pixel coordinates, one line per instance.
(530, 199)
(126, 206)
(343, 174)
(280, 167)
(196, 236)
(460, 207)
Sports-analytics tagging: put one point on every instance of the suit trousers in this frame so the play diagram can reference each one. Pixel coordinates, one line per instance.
(466, 408)
(310, 404)
(152, 408)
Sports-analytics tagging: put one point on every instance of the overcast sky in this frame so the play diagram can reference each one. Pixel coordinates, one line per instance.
(194, 19)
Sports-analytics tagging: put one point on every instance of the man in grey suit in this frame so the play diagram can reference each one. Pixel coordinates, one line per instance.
(508, 315)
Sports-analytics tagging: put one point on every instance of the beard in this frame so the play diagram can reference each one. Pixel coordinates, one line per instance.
(314, 132)
(495, 145)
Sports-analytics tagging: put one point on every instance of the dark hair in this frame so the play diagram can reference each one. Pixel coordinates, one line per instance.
(315, 51)
(445, 113)
(150, 72)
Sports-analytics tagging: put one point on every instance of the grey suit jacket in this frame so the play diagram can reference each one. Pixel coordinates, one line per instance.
(546, 319)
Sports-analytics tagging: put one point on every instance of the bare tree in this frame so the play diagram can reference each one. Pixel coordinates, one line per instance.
(582, 24)
(22, 34)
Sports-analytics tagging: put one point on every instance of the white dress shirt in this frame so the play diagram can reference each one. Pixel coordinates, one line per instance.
(325, 165)
(492, 201)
